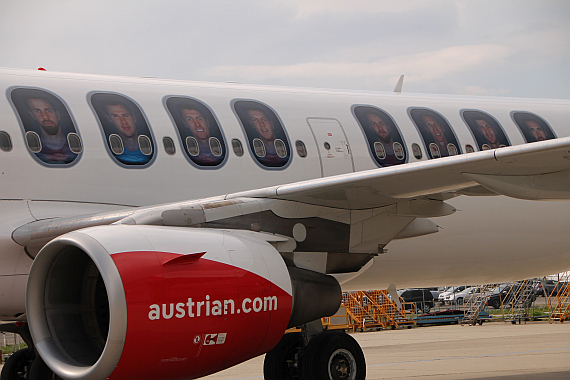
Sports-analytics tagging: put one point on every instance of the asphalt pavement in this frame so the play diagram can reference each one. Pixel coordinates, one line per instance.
(493, 351)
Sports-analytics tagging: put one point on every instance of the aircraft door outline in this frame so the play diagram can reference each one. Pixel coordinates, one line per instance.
(333, 146)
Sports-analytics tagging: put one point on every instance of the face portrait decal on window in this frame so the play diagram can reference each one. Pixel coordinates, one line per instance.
(533, 127)
(266, 137)
(48, 126)
(439, 138)
(125, 129)
(385, 142)
(199, 131)
(485, 129)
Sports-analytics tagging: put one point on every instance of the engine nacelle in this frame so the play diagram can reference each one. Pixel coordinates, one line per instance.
(134, 302)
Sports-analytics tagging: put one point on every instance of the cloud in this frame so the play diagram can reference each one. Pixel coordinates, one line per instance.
(419, 67)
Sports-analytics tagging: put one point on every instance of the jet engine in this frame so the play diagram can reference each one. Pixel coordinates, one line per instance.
(134, 302)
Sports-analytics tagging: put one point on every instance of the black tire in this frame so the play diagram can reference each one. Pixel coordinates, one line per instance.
(426, 308)
(460, 301)
(40, 371)
(496, 304)
(17, 366)
(279, 362)
(333, 355)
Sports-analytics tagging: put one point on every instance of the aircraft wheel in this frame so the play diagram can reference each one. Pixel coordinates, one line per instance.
(282, 362)
(17, 365)
(40, 371)
(333, 356)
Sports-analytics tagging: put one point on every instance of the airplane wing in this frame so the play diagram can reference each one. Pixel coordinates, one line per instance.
(538, 171)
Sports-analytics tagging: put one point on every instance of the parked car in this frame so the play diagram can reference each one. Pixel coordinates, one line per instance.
(421, 297)
(449, 296)
(435, 292)
(460, 296)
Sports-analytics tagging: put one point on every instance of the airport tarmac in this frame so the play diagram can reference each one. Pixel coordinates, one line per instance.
(493, 351)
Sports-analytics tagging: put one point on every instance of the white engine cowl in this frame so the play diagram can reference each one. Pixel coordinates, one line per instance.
(134, 302)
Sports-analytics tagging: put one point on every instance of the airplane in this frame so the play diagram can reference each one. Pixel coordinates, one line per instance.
(164, 229)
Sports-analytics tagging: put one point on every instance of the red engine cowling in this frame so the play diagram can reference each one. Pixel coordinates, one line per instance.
(142, 302)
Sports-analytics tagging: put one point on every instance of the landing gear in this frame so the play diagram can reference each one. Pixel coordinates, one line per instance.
(25, 364)
(283, 361)
(333, 356)
(329, 355)
(40, 371)
(17, 366)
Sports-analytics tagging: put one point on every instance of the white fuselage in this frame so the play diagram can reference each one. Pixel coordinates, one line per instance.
(488, 239)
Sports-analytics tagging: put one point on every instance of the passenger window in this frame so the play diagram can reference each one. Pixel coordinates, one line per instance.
(74, 142)
(237, 147)
(33, 141)
(169, 147)
(198, 130)
(48, 126)
(5, 141)
(385, 142)
(533, 127)
(469, 149)
(486, 131)
(417, 151)
(116, 144)
(125, 128)
(265, 133)
(215, 146)
(301, 148)
(145, 145)
(438, 136)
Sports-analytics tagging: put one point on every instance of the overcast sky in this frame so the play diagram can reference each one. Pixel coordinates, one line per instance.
(504, 48)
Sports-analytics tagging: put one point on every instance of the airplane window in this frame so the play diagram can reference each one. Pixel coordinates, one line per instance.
(74, 142)
(116, 144)
(145, 145)
(379, 150)
(259, 148)
(33, 141)
(192, 146)
(125, 128)
(199, 131)
(385, 141)
(417, 151)
(451, 149)
(265, 133)
(237, 147)
(438, 136)
(47, 125)
(487, 131)
(5, 141)
(399, 150)
(215, 146)
(533, 127)
(434, 150)
(280, 148)
(301, 148)
(469, 149)
(169, 147)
